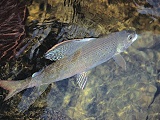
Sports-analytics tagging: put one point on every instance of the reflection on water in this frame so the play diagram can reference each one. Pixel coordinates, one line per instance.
(111, 93)
(150, 7)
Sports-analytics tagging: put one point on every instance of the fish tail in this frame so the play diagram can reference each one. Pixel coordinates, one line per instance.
(13, 87)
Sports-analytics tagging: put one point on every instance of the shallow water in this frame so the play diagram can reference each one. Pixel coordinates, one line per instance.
(111, 93)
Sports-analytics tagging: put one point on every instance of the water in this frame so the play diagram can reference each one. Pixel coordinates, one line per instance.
(111, 93)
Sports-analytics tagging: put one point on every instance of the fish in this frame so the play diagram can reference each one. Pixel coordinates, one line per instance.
(75, 58)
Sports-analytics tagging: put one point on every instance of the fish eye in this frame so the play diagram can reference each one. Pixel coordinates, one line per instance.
(130, 37)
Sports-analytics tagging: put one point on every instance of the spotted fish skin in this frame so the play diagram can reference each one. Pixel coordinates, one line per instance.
(89, 53)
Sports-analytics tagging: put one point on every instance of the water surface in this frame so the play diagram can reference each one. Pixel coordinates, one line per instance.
(111, 93)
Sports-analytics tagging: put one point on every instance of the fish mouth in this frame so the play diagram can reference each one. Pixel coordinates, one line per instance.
(135, 38)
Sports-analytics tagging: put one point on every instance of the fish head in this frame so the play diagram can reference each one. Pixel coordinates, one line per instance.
(126, 38)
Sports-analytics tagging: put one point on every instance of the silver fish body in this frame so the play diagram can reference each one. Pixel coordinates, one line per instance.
(89, 55)
(76, 57)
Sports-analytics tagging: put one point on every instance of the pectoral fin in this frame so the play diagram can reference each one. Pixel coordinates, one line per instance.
(30, 96)
(82, 79)
(120, 61)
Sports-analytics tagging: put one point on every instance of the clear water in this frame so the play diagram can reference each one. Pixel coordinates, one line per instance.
(111, 93)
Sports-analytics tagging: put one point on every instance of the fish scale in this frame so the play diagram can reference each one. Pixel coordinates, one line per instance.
(75, 58)
(95, 52)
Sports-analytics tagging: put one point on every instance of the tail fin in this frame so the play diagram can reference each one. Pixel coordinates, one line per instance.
(13, 87)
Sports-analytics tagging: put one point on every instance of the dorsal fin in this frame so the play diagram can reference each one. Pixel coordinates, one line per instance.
(65, 48)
